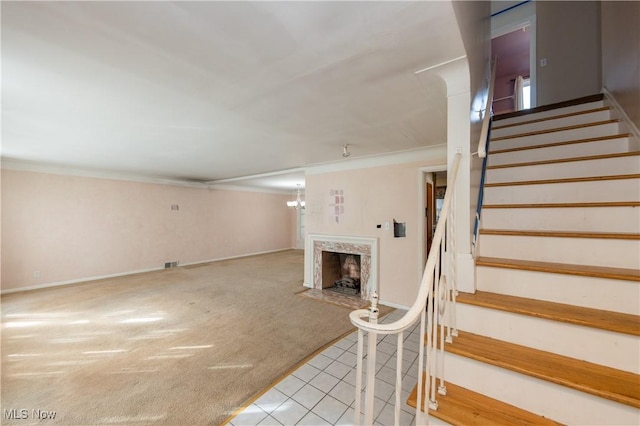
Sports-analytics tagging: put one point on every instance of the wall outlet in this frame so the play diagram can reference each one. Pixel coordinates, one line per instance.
(36, 274)
(543, 62)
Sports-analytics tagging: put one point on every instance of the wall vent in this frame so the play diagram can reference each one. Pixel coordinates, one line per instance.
(168, 265)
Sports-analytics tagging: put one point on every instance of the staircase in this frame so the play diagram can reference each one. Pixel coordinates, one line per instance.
(552, 333)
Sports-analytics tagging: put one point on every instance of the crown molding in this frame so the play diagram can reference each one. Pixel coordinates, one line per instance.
(36, 167)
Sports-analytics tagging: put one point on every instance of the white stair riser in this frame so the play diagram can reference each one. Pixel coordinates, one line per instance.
(584, 149)
(599, 219)
(587, 168)
(616, 253)
(591, 292)
(550, 113)
(559, 136)
(615, 350)
(558, 122)
(553, 401)
(570, 192)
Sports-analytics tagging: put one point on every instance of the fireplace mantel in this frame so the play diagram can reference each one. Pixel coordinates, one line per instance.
(366, 247)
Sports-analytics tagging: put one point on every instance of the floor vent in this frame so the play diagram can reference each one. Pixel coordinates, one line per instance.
(168, 265)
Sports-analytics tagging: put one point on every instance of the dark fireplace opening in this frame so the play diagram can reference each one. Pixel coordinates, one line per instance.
(341, 272)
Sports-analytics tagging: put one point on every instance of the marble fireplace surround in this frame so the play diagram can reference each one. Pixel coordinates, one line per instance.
(366, 247)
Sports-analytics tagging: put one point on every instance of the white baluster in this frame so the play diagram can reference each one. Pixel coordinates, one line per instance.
(422, 417)
(371, 362)
(442, 390)
(358, 415)
(396, 411)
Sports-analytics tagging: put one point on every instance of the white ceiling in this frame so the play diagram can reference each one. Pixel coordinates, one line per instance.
(209, 91)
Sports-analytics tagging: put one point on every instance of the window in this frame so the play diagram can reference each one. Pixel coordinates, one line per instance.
(526, 93)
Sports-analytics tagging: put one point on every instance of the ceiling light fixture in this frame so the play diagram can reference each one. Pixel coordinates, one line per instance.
(297, 203)
(345, 151)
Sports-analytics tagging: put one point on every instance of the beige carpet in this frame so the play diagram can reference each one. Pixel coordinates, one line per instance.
(180, 346)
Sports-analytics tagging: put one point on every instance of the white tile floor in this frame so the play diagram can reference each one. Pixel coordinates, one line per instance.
(322, 391)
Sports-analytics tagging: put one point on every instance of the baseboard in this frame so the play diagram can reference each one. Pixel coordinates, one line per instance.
(77, 281)
(219, 259)
(394, 305)
(123, 274)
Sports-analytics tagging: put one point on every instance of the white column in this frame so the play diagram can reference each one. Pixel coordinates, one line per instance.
(459, 140)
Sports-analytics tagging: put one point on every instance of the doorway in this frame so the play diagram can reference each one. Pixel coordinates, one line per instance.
(433, 186)
(513, 71)
(513, 33)
(429, 212)
(300, 229)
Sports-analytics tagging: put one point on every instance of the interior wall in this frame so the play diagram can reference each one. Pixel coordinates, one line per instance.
(58, 229)
(568, 38)
(375, 196)
(621, 54)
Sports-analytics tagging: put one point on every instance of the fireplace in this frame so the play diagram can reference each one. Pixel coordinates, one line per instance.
(341, 272)
(329, 259)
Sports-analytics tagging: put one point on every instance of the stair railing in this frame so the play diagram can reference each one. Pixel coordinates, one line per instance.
(435, 300)
(488, 113)
(476, 224)
(483, 149)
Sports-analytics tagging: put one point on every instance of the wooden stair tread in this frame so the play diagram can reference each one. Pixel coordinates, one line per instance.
(562, 234)
(554, 144)
(462, 406)
(555, 117)
(578, 101)
(587, 317)
(561, 268)
(605, 382)
(563, 180)
(563, 205)
(565, 160)
(554, 130)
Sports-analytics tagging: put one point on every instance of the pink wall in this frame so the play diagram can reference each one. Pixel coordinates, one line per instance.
(374, 196)
(72, 228)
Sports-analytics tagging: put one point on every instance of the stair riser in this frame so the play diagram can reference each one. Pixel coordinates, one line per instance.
(558, 122)
(550, 113)
(538, 396)
(587, 168)
(571, 192)
(615, 350)
(559, 136)
(615, 253)
(610, 219)
(607, 146)
(590, 292)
